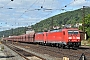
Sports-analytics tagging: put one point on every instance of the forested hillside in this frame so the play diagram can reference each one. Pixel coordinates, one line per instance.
(17, 31)
(70, 17)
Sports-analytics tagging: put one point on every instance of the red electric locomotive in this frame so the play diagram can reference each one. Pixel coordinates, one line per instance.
(61, 38)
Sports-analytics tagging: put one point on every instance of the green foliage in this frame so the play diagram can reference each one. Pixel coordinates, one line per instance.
(2, 48)
(17, 31)
(87, 19)
(87, 25)
(80, 28)
(88, 31)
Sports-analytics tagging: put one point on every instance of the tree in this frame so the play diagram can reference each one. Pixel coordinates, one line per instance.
(87, 25)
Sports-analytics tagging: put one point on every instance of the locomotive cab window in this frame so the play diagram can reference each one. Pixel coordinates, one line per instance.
(75, 32)
(72, 32)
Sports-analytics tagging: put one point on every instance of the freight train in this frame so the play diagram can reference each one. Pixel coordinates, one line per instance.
(67, 37)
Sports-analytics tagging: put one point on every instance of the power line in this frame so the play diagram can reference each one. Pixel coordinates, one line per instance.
(28, 8)
(43, 4)
(6, 5)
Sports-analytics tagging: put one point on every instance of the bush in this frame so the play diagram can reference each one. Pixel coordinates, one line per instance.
(88, 40)
(2, 48)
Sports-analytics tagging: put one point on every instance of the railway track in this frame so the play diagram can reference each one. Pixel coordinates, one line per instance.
(26, 55)
(57, 52)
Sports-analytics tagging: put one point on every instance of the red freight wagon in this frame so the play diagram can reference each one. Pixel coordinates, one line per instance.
(26, 37)
(15, 38)
(20, 38)
(31, 37)
(23, 38)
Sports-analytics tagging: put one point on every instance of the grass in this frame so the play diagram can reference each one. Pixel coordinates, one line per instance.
(2, 48)
(85, 42)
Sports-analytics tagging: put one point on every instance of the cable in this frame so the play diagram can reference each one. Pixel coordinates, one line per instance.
(43, 4)
(47, 9)
(28, 8)
(57, 9)
(5, 5)
(42, 7)
(70, 3)
(62, 8)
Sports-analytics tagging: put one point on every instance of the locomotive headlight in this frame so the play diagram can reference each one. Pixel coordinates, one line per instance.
(69, 37)
(78, 37)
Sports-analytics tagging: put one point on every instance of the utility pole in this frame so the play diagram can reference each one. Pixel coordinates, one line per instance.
(83, 20)
(12, 31)
(52, 23)
(25, 30)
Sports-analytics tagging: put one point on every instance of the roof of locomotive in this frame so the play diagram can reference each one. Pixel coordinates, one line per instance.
(58, 30)
(70, 29)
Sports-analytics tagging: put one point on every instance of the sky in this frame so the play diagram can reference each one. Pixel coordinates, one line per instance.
(21, 13)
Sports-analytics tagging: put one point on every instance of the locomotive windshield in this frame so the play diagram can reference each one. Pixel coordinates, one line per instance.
(72, 32)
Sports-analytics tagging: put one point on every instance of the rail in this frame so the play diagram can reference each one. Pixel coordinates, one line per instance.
(23, 53)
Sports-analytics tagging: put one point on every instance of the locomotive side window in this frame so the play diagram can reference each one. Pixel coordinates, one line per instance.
(63, 32)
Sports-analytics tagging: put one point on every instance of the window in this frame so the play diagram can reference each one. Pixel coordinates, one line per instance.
(75, 32)
(72, 32)
(63, 32)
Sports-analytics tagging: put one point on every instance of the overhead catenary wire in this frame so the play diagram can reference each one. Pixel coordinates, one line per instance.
(34, 9)
(50, 9)
(42, 7)
(39, 9)
(33, 4)
(62, 8)
(27, 9)
(6, 5)
(43, 4)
